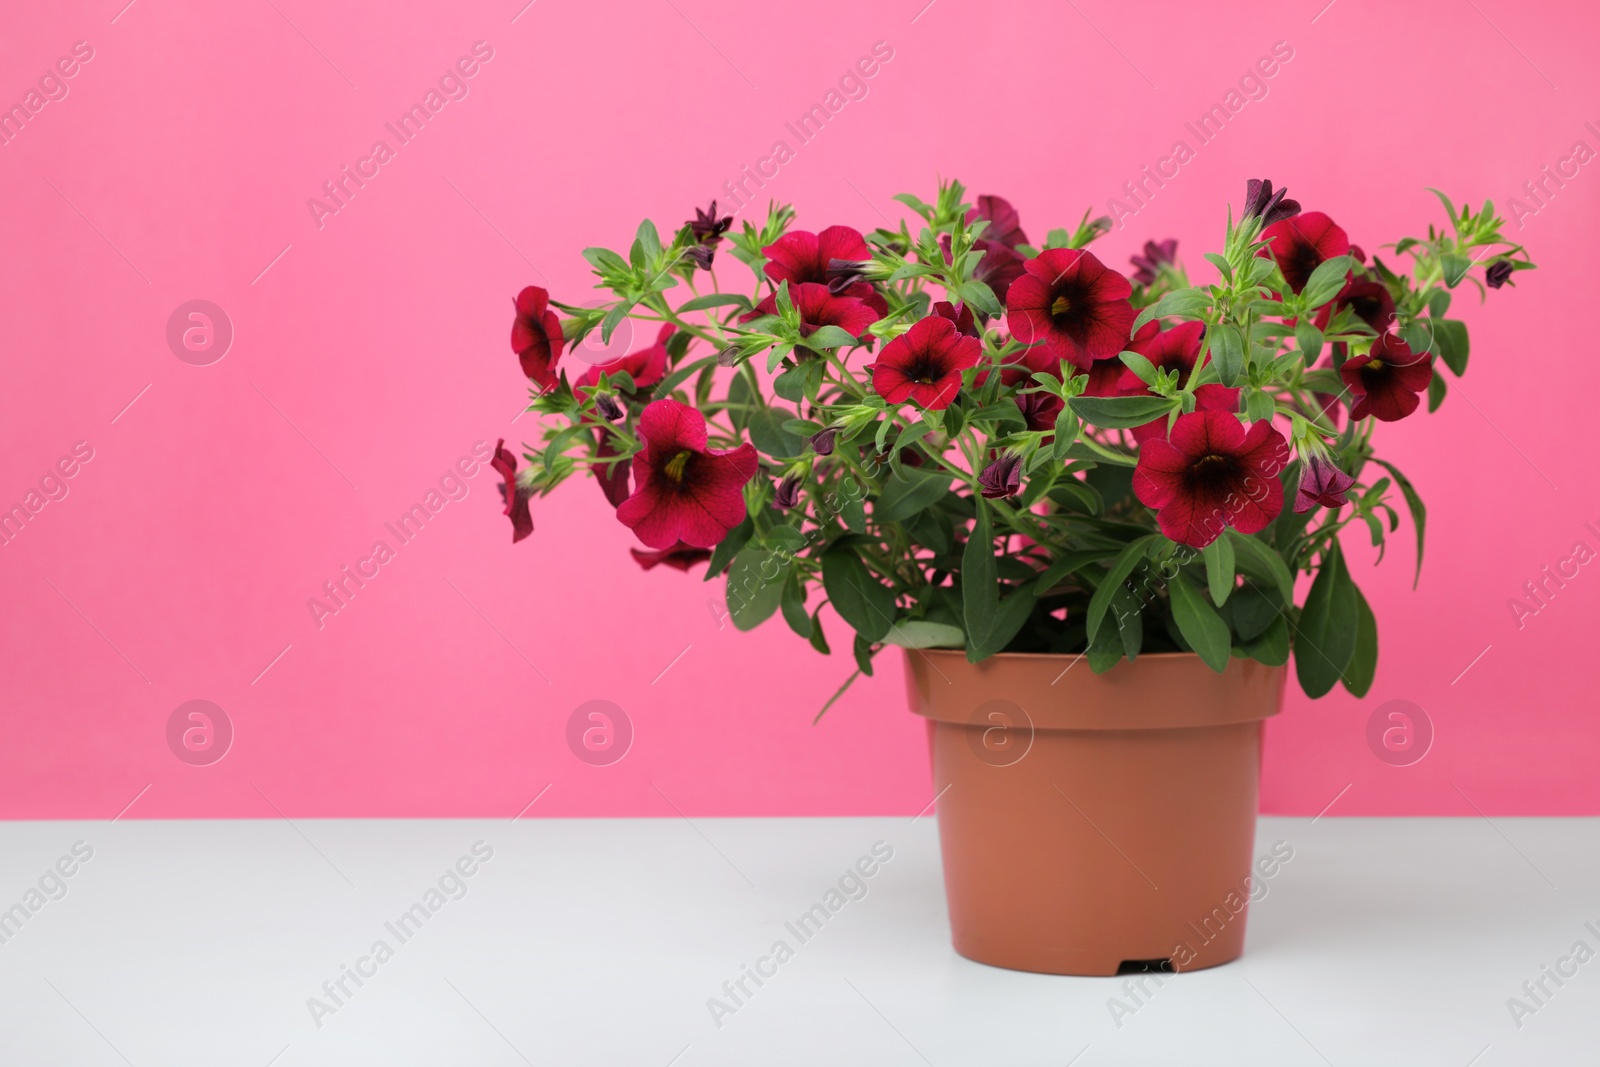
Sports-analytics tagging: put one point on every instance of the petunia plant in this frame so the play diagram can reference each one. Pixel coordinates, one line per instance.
(955, 438)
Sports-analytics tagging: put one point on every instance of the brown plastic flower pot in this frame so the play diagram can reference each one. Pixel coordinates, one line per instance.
(1095, 823)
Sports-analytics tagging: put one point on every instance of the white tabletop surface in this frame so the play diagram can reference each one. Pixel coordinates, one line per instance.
(1384, 941)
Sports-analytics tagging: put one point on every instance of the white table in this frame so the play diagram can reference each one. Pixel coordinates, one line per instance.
(1384, 941)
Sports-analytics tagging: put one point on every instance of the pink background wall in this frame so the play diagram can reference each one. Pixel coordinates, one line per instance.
(372, 353)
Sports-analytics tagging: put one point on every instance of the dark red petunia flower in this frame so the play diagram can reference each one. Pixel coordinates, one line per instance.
(924, 365)
(646, 366)
(960, 314)
(1302, 243)
(684, 491)
(819, 307)
(1210, 474)
(1323, 483)
(999, 268)
(708, 228)
(1174, 349)
(1040, 410)
(536, 336)
(1386, 381)
(679, 557)
(1155, 257)
(1002, 478)
(515, 497)
(1370, 301)
(799, 256)
(611, 477)
(1073, 303)
(1005, 225)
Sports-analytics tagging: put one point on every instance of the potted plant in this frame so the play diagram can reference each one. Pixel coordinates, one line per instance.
(1080, 501)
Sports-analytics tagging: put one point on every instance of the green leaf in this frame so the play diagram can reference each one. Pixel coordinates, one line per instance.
(1223, 266)
(1200, 624)
(819, 640)
(909, 492)
(1250, 612)
(769, 436)
(1227, 353)
(1326, 637)
(1438, 304)
(794, 607)
(1455, 267)
(1452, 344)
(980, 297)
(1121, 567)
(1436, 389)
(859, 598)
(713, 300)
(648, 237)
(1140, 366)
(1067, 565)
(605, 260)
(1272, 645)
(1120, 412)
(752, 596)
(723, 554)
(1309, 340)
(991, 623)
(1364, 662)
(1188, 302)
(791, 384)
(1449, 208)
(920, 633)
(1419, 511)
(1105, 651)
(1327, 280)
(666, 385)
(1219, 569)
(863, 650)
(613, 317)
(825, 337)
(1258, 560)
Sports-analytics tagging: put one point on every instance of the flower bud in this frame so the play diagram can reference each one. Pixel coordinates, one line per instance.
(1002, 478)
(1259, 199)
(788, 494)
(822, 441)
(608, 407)
(1497, 274)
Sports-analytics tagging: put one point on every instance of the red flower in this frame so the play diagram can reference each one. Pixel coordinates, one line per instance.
(646, 366)
(1322, 483)
(1005, 225)
(1209, 474)
(1301, 244)
(516, 498)
(819, 307)
(924, 365)
(685, 492)
(960, 314)
(1156, 256)
(1387, 380)
(679, 557)
(1073, 303)
(536, 336)
(611, 477)
(799, 256)
(1370, 301)
(1174, 349)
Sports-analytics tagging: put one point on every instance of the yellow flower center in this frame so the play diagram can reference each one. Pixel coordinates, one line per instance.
(676, 464)
(1374, 364)
(1061, 306)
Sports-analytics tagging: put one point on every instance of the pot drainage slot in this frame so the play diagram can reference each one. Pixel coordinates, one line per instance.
(1144, 966)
